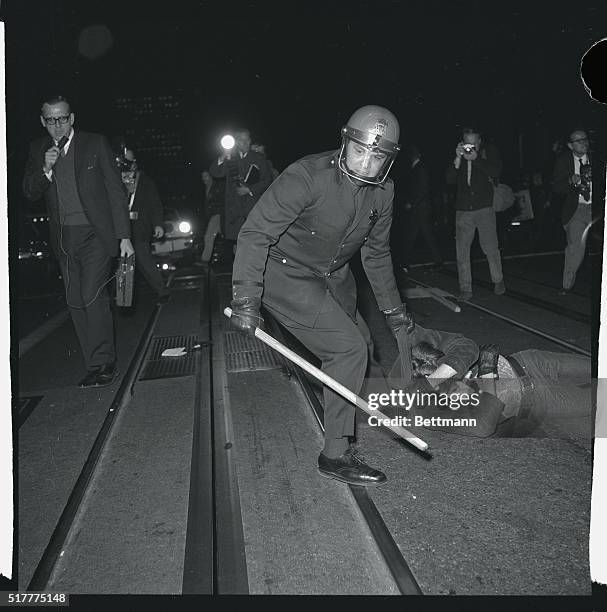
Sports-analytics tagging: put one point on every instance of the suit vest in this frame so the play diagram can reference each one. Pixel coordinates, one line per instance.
(71, 211)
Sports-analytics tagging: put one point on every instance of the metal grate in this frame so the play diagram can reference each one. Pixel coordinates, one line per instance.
(156, 366)
(245, 354)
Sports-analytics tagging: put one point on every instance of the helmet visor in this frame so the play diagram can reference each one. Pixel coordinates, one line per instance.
(365, 162)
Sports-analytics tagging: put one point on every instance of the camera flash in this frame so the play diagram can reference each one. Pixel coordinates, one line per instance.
(227, 142)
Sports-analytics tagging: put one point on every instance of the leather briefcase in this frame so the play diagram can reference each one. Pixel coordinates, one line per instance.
(125, 280)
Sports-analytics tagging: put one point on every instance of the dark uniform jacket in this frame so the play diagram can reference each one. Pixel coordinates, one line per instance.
(298, 239)
(564, 168)
(148, 206)
(486, 168)
(99, 185)
(237, 207)
(459, 351)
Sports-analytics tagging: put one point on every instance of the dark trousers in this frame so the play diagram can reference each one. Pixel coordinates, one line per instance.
(414, 223)
(146, 265)
(85, 266)
(343, 347)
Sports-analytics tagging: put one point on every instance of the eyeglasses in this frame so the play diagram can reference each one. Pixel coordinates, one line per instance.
(55, 120)
(579, 140)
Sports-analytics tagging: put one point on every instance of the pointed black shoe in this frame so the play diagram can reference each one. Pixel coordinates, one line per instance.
(90, 380)
(106, 375)
(350, 468)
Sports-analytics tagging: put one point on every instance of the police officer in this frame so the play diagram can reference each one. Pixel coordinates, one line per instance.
(293, 256)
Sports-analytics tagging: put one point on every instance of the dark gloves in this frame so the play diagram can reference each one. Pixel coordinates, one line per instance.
(245, 315)
(487, 359)
(397, 318)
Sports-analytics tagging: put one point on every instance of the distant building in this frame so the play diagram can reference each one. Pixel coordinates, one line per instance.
(153, 126)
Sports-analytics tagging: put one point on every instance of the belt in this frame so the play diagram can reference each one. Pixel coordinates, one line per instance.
(527, 386)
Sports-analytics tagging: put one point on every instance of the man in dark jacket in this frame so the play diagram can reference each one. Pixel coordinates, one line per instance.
(146, 214)
(293, 252)
(579, 180)
(531, 384)
(474, 207)
(247, 175)
(415, 198)
(88, 215)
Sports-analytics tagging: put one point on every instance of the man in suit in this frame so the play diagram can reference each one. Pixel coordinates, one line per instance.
(89, 226)
(145, 212)
(294, 250)
(247, 175)
(574, 180)
(416, 202)
(474, 207)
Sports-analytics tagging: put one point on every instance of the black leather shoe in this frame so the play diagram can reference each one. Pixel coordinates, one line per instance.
(106, 375)
(163, 298)
(90, 380)
(350, 468)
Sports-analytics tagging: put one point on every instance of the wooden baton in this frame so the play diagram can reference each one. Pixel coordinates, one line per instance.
(333, 384)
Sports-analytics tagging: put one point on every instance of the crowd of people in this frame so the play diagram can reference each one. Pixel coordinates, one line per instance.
(553, 206)
(293, 236)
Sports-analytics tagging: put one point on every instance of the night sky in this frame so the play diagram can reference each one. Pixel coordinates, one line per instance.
(294, 71)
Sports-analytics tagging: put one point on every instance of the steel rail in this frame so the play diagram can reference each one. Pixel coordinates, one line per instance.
(563, 311)
(214, 561)
(230, 565)
(573, 347)
(548, 285)
(199, 556)
(55, 549)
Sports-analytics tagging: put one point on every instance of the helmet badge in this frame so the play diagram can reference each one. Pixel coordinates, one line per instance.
(381, 125)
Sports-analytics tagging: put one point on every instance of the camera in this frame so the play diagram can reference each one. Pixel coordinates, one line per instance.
(468, 148)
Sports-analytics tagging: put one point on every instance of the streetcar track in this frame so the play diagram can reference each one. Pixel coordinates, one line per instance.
(547, 285)
(55, 549)
(230, 575)
(532, 301)
(199, 558)
(59, 541)
(389, 550)
(559, 341)
(223, 568)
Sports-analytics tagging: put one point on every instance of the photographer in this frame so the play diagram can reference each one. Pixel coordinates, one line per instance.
(473, 171)
(572, 178)
(247, 175)
(145, 212)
